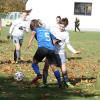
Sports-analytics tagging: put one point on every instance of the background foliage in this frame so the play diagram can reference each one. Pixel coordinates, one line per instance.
(12, 5)
(83, 70)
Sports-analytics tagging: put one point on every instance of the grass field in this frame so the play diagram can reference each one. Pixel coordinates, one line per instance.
(83, 71)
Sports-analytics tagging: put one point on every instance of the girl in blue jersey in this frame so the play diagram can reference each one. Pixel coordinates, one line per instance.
(45, 49)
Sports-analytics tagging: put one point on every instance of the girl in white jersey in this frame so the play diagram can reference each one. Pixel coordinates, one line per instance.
(61, 34)
(16, 31)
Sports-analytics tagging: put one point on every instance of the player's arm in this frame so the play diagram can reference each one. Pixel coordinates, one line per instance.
(11, 30)
(27, 28)
(55, 40)
(70, 47)
(31, 39)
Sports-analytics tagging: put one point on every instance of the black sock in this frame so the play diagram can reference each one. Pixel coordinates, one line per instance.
(15, 56)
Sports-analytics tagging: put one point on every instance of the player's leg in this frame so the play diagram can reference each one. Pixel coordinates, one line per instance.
(45, 71)
(65, 76)
(64, 71)
(57, 74)
(38, 57)
(17, 49)
(75, 27)
(15, 56)
(52, 61)
(36, 70)
(78, 28)
(20, 42)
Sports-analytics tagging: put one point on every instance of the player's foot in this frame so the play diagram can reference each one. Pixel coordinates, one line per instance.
(18, 61)
(68, 84)
(44, 86)
(13, 62)
(60, 85)
(36, 79)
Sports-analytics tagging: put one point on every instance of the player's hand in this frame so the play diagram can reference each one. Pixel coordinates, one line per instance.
(56, 41)
(28, 47)
(8, 37)
(74, 54)
(77, 52)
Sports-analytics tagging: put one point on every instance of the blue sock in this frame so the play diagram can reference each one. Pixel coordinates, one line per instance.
(57, 75)
(36, 69)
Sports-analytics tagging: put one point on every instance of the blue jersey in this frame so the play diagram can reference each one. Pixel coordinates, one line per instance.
(44, 38)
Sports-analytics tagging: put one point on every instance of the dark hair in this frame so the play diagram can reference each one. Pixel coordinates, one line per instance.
(27, 11)
(58, 17)
(34, 24)
(64, 21)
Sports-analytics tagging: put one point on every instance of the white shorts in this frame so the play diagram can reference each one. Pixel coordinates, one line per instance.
(61, 58)
(17, 39)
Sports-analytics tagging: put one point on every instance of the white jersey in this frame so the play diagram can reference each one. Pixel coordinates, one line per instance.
(64, 37)
(18, 27)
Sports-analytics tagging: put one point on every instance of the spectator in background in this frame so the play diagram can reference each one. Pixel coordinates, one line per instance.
(77, 24)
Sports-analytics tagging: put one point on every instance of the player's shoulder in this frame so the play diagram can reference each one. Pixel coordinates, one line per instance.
(54, 29)
(16, 21)
(66, 33)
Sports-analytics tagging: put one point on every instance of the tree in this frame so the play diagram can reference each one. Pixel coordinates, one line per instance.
(12, 5)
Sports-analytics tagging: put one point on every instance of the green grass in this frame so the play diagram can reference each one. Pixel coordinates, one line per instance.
(83, 71)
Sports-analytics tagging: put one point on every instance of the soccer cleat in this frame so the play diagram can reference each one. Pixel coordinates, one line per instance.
(44, 86)
(60, 86)
(68, 84)
(36, 79)
(18, 62)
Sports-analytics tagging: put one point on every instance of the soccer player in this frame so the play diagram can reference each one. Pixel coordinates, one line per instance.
(61, 34)
(45, 49)
(16, 31)
(58, 19)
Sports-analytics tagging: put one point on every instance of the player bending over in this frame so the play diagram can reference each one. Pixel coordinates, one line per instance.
(45, 49)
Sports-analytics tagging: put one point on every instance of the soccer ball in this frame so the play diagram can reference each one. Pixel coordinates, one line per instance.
(18, 76)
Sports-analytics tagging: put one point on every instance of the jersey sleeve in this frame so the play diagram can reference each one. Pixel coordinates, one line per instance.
(12, 27)
(52, 36)
(69, 46)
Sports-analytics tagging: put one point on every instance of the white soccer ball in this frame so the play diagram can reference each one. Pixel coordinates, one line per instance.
(18, 76)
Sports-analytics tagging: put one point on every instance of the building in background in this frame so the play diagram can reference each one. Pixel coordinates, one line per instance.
(86, 10)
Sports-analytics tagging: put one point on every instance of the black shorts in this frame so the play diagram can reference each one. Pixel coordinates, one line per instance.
(42, 52)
